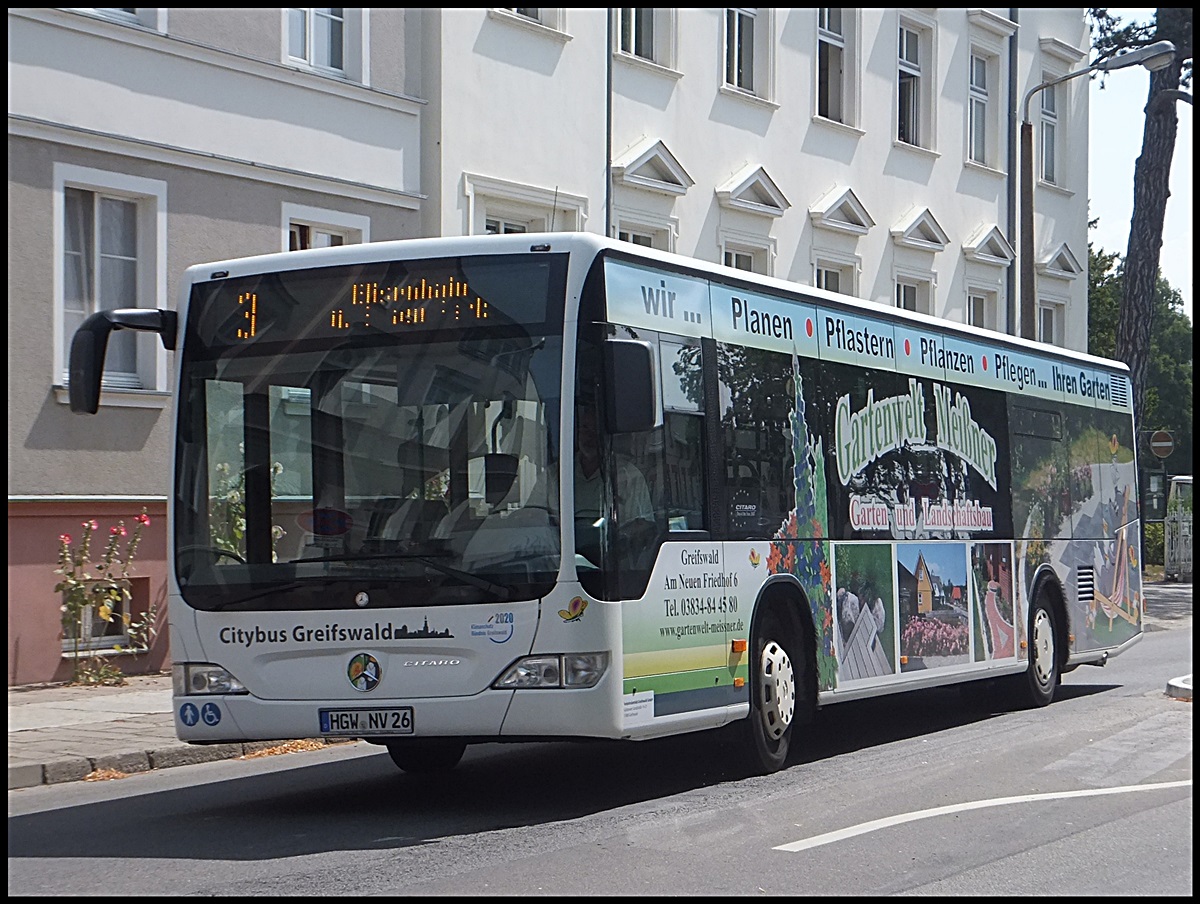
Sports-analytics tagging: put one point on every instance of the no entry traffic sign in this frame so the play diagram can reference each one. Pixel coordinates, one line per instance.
(1161, 443)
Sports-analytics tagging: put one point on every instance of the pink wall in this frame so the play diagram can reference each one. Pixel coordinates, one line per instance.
(34, 615)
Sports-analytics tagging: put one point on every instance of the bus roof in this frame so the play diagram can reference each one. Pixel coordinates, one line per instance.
(593, 244)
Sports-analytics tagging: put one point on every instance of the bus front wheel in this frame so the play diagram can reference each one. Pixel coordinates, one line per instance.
(426, 754)
(773, 698)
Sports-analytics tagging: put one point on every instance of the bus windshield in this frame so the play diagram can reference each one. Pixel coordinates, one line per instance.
(374, 435)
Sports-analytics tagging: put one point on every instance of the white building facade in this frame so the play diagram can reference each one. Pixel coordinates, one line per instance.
(869, 151)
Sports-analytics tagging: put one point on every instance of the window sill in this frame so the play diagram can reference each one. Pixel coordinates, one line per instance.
(731, 91)
(538, 28)
(916, 149)
(838, 126)
(106, 652)
(121, 398)
(984, 169)
(1057, 189)
(638, 62)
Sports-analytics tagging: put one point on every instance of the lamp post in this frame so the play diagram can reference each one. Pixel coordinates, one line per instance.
(1154, 56)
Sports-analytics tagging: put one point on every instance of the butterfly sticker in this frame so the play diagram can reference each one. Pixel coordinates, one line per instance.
(574, 609)
(755, 558)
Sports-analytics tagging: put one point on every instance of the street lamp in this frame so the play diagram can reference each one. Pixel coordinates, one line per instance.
(1154, 56)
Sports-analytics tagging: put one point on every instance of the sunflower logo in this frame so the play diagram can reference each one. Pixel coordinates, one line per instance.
(364, 672)
(755, 558)
(574, 609)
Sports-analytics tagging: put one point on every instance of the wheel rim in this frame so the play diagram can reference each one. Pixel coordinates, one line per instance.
(1043, 647)
(777, 690)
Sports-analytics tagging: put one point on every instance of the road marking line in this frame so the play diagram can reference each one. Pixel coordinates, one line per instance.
(876, 824)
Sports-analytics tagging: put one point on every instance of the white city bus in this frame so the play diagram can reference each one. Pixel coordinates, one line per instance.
(439, 492)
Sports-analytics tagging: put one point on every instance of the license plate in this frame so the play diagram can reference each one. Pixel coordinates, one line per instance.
(359, 723)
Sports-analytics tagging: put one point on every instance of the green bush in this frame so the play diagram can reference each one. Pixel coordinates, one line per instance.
(1152, 551)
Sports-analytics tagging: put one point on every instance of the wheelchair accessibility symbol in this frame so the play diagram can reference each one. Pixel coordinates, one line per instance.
(211, 714)
(188, 714)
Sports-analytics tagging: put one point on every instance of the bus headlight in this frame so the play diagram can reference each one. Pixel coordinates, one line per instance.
(197, 678)
(556, 671)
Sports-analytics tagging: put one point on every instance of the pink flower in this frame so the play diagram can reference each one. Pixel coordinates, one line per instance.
(143, 518)
(64, 538)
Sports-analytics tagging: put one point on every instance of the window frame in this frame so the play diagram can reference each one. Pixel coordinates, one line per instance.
(981, 308)
(1054, 311)
(540, 209)
(833, 88)
(633, 23)
(760, 250)
(663, 231)
(978, 107)
(1048, 144)
(916, 111)
(761, 48)
(739, 72)
(150, 199)
(312, 17)
(353, 229)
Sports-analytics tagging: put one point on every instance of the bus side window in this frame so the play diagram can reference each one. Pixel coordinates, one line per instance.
(683, 467)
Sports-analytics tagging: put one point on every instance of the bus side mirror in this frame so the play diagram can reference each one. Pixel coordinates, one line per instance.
(632, 404)
(90, 342)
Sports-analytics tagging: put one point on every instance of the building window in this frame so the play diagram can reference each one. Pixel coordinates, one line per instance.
(1048, 323)
(496, 226)
(977, 111)
(314, 227)
(645, 239)
(739, 48)
(96, 633)
(110, 253)
(914, 295)
(831, 60)
(302, 236)
(829, 279)
(528, 12)
(317, 37)
(1049, 131)
(739, 260)
(637, 32)
(908, 127)
(100, 266)
(981, 309)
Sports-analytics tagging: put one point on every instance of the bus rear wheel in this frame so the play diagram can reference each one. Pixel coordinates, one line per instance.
(425, 755)
(1042, 676)
(773, 682)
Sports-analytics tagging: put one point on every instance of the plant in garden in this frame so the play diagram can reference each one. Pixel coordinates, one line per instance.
(96, 590)
(930, 637)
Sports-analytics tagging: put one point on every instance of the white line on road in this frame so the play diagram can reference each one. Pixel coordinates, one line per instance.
(876, 824)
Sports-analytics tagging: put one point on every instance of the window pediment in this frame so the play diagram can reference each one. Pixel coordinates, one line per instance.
(841, 211)
(653, 167)
(919, 229)
(1062, 264)
(1061, 50)
(753, 191)
(989, 246)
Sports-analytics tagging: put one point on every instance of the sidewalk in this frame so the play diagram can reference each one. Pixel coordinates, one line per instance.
(65, 734)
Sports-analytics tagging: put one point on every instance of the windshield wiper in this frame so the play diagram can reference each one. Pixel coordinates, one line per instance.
(497, 590)
(282, 588)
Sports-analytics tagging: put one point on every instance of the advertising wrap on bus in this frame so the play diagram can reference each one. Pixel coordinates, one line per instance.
(439, 492)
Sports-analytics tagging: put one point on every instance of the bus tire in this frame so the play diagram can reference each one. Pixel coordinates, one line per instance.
(425, 755)
(773, 683)
(1043, 675)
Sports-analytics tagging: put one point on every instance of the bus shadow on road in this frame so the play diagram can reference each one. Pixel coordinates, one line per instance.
(309, 803)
